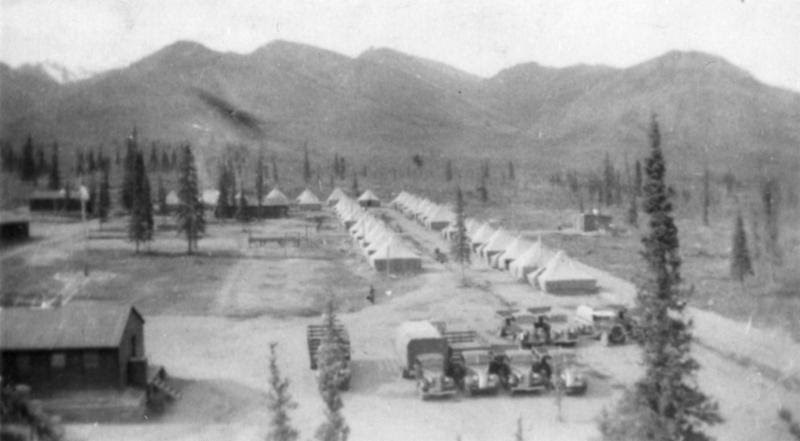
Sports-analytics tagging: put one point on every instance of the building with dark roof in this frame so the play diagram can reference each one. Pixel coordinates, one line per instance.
(81, 345)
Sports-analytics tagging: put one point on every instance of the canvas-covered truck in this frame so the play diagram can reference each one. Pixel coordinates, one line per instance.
(609, 323)
(315, 336)
(422, 351)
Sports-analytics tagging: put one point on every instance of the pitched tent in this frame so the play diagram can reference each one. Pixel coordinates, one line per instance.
(308, 201)
(497, 243)
(335, 196)
(561, 275)
(395, 258)
(531, 260)
(275, 204)
(368, 199)
(440, 218)
(513, 251)
(209, 198)
(481, 235)
(172, 199)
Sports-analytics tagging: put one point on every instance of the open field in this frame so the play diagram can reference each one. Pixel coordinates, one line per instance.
(211, 316)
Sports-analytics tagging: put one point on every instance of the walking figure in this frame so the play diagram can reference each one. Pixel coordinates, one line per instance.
(371, 295)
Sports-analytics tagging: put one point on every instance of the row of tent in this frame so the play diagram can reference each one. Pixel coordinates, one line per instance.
(528, 261)
(384, 249)
(307, 200)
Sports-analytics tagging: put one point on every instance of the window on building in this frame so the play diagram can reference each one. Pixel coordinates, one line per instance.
(58, 360)
(91, 360)
(23, 363)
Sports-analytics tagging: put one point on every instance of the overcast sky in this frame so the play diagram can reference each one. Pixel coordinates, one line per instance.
(482, 37)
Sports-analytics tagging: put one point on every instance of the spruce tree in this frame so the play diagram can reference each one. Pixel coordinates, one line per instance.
(448, 171)
(54, 178)
(633, 211)
(260, 179)
(279, 402)
(770, 198)
(511, 174)
(80, 164)
(741, 266)
(104, 192)
(224, 208)
(666, 404)
(460, 245)
(27, 166)
(128, 171)
(91, 164)
(140, 225)
(153, 156)
(41, 163)
(306, 165)
(355, 188)
(330, 357)
(275, 176)
(164, 160)
(161, 197)
(483, 192)
(608, 181)
(637, 178)
(190, 214)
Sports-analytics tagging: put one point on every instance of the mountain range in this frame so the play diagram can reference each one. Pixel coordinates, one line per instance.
(386, 103)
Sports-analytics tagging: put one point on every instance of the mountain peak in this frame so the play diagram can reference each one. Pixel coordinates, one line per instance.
(694, 61)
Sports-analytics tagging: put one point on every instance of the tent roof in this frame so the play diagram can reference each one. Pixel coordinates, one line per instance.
(499, 241)
(482, 234)
(561, 267)
(368, 195)
(307, 198)
(536, 255)
(516, 248)
(336, 194)
(274, 198)
(394, 249)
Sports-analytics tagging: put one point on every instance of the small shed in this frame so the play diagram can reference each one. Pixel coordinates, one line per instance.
(78, 346)
(368, 199)
(14, 227)
(593, 221)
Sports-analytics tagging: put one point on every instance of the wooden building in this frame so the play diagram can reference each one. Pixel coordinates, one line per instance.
(78, 346)
(14, 227)
(57, 201)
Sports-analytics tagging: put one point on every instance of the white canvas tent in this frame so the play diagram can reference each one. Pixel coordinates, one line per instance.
(535, 257)
(481, 236)
(513, 251)
(308, 201)
(368, 199)
(561, 275)
(497, 243)
(395, 258)
(336, 195)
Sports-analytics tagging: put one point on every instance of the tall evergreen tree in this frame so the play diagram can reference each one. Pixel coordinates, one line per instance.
(666, 404)
(741, 266)
(637, 178)
(41, 163)
(355, 189)
(279, 402)
(448, 171)
(161, 197)
(460, 245)
(104, 192)
(164, 160)
(80, 163)
(609, 176)
(306, 165)
(226, 186)
(483, 191)
(511, 175)
(633, 211)
(91, 164)
(173, 162)
(770, 198)
(54, 178)
(153, 156)
(260, 179)
(336, 173)
(330, 357)
(27, 167)
(190, 214)
(129, 170)
(706, 194)
(275, 176)
(140, 226)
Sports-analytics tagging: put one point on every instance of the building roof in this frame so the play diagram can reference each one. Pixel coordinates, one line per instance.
(307, 198)
(336, 194)
(78, 324)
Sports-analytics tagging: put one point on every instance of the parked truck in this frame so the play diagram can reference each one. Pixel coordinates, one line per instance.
(316, 335)
(423, 351)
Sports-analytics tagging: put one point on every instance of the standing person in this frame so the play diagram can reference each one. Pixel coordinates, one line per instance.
(371, 295)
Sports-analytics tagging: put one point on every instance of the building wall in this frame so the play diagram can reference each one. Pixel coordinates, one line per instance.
(53, 370)
(131, 345)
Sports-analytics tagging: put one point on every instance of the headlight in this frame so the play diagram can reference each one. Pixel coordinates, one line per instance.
(493, 379)
(513, 379)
